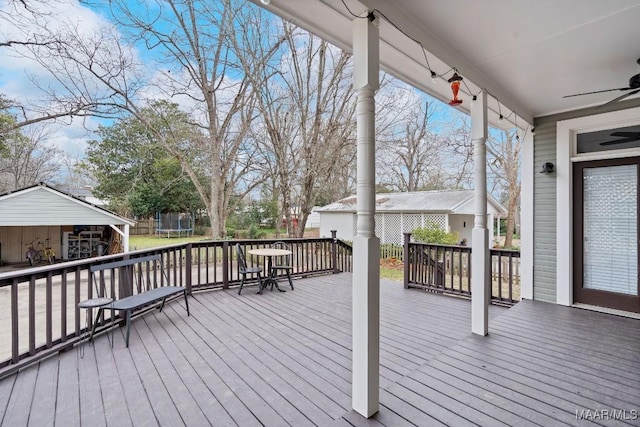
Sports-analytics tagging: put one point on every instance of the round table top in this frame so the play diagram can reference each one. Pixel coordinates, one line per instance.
(269, 252)
(95, 302)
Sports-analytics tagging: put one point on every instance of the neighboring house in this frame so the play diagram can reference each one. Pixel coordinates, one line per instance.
(86, 194)
(313, 220)
(74, 227)
(397, 213)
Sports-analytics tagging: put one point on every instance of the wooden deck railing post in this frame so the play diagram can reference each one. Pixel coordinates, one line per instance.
(188, 261)
(334, 252)
(225, 264)
(406, 257)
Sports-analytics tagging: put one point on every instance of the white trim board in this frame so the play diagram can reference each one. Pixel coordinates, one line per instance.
(566, 132)
(607, 310)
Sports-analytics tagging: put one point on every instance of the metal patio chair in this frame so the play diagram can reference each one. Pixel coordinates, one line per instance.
(244, 270)
(283, 263)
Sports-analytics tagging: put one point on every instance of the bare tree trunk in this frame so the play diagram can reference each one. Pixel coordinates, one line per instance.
(504, 162)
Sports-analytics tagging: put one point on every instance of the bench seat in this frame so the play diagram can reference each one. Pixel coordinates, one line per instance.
(133, 302)
(152, 293)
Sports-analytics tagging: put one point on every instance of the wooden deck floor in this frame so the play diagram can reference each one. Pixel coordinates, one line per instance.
(284, 359)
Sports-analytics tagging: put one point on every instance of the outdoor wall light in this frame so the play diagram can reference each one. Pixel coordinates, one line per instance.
(547, 168)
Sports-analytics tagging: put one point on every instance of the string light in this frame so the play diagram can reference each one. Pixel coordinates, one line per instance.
(435, 76)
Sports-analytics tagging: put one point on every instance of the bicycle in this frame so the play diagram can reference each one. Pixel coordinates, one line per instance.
(35, 255)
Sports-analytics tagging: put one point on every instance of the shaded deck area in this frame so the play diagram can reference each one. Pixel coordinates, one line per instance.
(284, 359)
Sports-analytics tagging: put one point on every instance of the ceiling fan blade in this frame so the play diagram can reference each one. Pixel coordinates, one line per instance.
(627, 134)
(620, 98)
(619, 141)
(597, 91)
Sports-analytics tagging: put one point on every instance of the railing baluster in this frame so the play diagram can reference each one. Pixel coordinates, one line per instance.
(76, 284)
(32, 315)
(49, 310)
(63, 305)
(15, 324)
(499, 276)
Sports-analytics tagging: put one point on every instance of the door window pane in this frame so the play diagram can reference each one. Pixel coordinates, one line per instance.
(610, 229)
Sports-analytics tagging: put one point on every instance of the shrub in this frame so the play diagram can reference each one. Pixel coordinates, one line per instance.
(256, 233)
(433, 233)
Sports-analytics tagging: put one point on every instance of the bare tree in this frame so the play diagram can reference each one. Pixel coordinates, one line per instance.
(25, 33)
(504, 162)
(457, 152)
(411, 157)
(28, 159)
(307, 113)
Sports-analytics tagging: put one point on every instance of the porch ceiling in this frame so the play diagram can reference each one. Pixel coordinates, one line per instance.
(527, 54)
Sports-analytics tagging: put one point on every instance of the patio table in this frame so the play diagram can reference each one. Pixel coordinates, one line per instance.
(268, 254)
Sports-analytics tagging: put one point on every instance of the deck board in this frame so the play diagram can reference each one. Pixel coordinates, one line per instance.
(19, 405)
(68, 393)
(44, 394)
(280, 359)
(6, 387)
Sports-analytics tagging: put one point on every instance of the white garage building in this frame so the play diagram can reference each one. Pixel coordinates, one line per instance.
(397, 213)
(73, 227)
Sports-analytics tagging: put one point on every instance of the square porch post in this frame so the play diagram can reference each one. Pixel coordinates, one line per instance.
(366, 246)
(480, 255)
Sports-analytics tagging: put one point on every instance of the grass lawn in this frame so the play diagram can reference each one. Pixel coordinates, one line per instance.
(150, 242)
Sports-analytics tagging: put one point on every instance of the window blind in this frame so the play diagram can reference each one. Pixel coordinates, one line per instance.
(610, 255)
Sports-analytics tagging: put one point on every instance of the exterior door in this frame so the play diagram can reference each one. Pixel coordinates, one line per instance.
(606, 233)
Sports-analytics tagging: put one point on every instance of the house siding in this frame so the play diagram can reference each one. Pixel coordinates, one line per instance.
(544, 222)
(342, 222)
(27, 209)
(544, 218)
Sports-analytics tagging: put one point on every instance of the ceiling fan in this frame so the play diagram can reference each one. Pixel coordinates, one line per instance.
(634, 87)
(626, 137)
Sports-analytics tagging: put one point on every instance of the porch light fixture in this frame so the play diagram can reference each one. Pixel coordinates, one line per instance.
(455, 87)
(547, 168)
(434, 77)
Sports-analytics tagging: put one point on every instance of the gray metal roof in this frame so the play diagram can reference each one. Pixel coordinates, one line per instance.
(449, 201)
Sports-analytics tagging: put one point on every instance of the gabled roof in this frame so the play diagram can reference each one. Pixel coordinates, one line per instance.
(41, 204)
(451, 201)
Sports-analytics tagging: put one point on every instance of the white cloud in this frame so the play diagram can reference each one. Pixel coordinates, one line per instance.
(21, 76)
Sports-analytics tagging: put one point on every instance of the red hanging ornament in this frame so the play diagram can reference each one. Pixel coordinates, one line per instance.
(455, 87)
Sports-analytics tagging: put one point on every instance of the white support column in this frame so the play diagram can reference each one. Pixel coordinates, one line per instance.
(480, 256)
(124, 234)
(125, 239)
(366, 246)
(526, 219)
